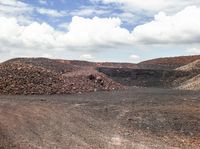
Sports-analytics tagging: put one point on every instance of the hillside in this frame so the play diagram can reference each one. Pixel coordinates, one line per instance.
(191, 84)
(168, 63)
(54, 76)
(194, 66)
(45, 76)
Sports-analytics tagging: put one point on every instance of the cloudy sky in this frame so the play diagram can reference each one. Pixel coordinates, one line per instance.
(99, 30)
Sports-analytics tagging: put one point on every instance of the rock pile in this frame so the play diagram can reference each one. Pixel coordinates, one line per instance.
(58, 66)
(25, 78)
(91, 82)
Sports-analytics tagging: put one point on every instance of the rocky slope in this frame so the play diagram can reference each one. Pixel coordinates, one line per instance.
(168, 63)
(48, 76)
(44, 76)
(194, 66)
(147, 77)
(193, 80)
(191, 84)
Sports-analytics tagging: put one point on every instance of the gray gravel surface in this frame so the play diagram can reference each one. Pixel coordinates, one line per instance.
(140, 118)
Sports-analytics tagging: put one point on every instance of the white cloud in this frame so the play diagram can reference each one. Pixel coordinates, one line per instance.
(152, 5)
(17, 9)
(86, 57)
(43, 1)
(182, 28)
(83, 34)
(88, 11)
(51, 12)
(14, 7)
(134, 58)
(126, 17)
(63, 26)
(193, 51)
(97, 32)
(91, 34)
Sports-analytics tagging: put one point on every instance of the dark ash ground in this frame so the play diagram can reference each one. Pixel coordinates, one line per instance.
(134, 118)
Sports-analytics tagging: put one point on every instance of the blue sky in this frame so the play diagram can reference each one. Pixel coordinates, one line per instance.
(99, 30)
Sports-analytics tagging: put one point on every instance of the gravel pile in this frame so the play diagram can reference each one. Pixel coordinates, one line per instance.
(25, 78)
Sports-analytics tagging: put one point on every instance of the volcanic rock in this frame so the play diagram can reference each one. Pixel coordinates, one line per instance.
(29, 76)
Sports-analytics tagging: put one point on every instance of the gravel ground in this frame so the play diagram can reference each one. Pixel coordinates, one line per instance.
(136, 118)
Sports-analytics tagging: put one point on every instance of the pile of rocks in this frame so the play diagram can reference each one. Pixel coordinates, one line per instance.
(90, 82)
(58, 66)
(17, 77)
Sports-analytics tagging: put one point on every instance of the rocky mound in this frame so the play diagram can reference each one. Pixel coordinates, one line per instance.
(18, 77)
(168, 63)
(58, 66)
(191, 84)
(192, 81)
(194, 66)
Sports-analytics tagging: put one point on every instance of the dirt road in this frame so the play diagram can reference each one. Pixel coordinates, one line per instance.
(134, 118)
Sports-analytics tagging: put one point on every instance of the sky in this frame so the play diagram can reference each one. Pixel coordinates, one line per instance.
(99, 30)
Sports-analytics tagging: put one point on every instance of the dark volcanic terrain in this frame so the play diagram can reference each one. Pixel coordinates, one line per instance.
(38, 76)
(45, 76)
(134, 118)
(49, 104)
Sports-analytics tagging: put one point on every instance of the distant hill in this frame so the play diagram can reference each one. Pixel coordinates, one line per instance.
(193, 66)
(168, 63)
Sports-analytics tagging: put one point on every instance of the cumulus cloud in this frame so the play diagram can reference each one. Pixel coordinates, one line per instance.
(92, 34)
(97, 31)
(82, 34)
(183, 27)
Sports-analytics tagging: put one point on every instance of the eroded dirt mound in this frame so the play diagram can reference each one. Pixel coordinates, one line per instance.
(24, 78)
